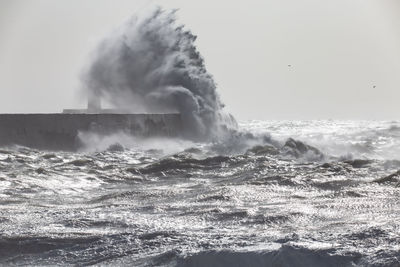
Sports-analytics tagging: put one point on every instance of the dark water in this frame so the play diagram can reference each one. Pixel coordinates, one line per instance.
(331, 200)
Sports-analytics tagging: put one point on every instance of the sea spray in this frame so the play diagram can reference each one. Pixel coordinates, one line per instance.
(151, 64)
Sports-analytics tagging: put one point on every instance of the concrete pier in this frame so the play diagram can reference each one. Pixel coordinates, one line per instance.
(60, 131)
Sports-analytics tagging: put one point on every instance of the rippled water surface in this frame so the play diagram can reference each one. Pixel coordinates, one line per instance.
(316, 193)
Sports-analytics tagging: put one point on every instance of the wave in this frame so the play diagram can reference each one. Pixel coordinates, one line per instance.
(350, 139)
(285, 256)
(151, 64)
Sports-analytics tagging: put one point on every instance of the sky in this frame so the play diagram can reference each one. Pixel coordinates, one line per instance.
(271, 59)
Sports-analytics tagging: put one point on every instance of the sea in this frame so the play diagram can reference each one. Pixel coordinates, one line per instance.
(283, 193)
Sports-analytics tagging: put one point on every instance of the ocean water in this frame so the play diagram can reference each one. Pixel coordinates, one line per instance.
(283, 193)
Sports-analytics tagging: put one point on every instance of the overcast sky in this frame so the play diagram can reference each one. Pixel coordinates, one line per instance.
(272, 59)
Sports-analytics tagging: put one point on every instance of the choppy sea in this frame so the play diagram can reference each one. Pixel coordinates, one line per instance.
(311, 193)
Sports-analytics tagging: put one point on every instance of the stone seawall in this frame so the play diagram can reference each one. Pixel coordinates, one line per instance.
(60, 131)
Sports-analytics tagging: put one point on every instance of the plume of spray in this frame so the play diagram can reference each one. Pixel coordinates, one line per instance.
(151, 65)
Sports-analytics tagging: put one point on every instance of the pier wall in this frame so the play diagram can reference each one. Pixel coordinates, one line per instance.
(60, 131)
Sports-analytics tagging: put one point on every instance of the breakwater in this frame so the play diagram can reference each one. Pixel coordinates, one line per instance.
(60, 131)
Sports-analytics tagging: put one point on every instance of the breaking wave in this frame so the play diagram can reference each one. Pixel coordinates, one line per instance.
(151, 64)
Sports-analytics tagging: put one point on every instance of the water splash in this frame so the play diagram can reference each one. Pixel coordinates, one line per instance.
(151, 64)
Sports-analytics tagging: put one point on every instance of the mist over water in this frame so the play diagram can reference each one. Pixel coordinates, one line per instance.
(151, 64)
